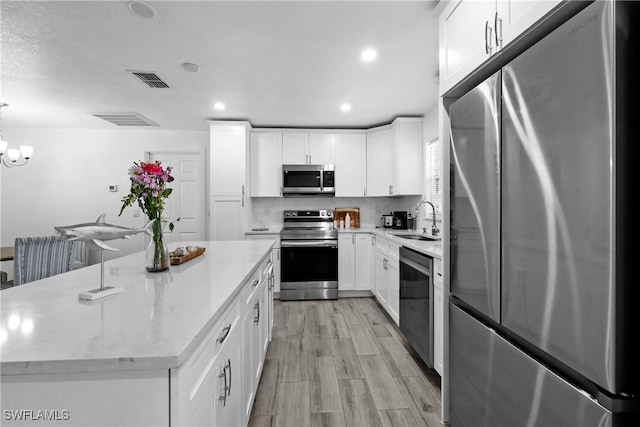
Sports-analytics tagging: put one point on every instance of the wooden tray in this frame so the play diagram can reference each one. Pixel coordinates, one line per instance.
(182, 259)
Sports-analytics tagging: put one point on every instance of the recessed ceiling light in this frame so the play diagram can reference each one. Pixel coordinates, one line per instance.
(219, 106)
(345, 107)
(142, 9)
(191, 67)
(368, 55)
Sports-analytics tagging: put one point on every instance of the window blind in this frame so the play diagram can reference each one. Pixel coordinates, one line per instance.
(435, 184)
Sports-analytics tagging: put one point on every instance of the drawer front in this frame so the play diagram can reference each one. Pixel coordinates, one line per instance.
(249, 288)
(194, 371)
(266, 265)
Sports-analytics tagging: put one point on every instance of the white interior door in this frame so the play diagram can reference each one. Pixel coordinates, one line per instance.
(187, 201)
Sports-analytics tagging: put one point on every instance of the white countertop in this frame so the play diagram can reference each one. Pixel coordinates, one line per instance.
(429, 247)
(156, 322)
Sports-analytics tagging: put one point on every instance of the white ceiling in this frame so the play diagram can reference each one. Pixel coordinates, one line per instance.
(273, 63)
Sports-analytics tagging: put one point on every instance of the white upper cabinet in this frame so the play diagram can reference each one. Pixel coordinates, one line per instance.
(266, 164)
(466, 33)
(294, 148)
(515, 16)
(351, 164)
(307, 148)
(380, 162)
(408, 156)
(394, 159)
(228, 147)
(473, 30)
(321, 149)
(228, 180)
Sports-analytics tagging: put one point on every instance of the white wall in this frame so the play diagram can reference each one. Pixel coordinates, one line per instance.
(67, 180)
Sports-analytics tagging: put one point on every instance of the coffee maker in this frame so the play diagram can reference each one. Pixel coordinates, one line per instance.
(400, 220)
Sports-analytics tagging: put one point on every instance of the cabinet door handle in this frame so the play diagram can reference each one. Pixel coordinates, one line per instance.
(243, 189)
(256, 319)
(488, 43)
(486, 40)
(225, 333)
(229, 387)
(364, 190)
(498, 36)
(224, 390)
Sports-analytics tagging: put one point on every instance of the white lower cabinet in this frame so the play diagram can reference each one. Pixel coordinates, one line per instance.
(346, 262)
(393, 283)
(365, 247)
(199, 397)
(381, 288)
(355, 261)
(387, 280)
(438, 317)
(216, 386)
(226, 393)
(256, 336)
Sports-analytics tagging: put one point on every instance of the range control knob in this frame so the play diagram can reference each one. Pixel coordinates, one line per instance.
(322, 213)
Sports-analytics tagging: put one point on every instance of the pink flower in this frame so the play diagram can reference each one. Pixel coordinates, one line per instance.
(152, 168)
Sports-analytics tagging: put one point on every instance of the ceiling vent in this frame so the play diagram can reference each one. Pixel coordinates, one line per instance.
(125, 119)
(150, 79)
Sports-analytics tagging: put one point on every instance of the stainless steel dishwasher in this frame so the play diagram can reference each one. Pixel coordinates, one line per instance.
(416, 302)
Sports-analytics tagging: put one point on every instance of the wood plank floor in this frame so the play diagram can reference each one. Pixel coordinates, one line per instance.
(342, 363)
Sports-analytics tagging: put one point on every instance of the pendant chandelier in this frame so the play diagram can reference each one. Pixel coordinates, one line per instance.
(12, 154)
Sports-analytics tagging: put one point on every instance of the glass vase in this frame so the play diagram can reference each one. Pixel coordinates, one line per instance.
(157, 258)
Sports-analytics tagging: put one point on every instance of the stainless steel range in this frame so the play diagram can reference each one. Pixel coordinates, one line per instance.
(309, 256)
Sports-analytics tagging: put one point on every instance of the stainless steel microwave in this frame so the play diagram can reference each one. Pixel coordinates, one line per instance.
(308, 180)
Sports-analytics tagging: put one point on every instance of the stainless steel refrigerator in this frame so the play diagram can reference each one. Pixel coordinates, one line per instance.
(544, 307)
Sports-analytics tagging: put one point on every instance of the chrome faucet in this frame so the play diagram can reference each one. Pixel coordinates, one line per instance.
(434, 229)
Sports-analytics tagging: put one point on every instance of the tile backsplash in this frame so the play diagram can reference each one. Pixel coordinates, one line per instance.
(267, 211)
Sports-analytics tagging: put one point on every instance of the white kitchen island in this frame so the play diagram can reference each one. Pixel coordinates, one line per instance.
(183, 347)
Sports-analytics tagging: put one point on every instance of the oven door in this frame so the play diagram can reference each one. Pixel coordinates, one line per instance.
(309, 264)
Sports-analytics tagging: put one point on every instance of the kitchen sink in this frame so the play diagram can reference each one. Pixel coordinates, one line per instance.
(417, 237)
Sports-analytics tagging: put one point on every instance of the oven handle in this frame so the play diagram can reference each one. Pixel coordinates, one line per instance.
(309, 243)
